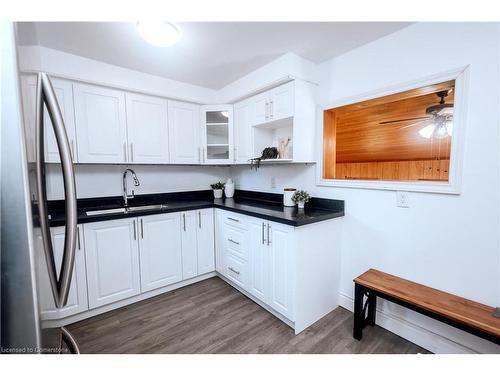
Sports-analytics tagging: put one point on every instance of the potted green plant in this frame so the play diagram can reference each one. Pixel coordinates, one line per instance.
(301, 197)
(218, 187)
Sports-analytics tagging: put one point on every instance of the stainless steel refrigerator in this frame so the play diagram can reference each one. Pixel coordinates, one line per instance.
(24, 216)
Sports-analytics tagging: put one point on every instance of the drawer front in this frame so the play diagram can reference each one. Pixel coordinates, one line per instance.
(236, 270)
(235, 242)
(235, 220)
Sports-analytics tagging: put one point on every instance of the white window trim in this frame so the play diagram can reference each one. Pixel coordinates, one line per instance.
(454, 184)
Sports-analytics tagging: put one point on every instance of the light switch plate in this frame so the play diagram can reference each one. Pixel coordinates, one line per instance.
(402, 199)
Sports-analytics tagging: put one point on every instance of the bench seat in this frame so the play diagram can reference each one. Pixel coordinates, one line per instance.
(473, 317)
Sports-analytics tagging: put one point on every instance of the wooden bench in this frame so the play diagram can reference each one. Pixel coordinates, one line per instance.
(470, 316)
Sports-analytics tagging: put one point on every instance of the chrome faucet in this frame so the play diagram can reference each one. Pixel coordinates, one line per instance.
(126, 197)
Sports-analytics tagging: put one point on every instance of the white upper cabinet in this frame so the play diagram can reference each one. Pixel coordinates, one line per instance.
(147, 128)
(217, 134)
(101, 124)
(64, 94)
(206, 241)
(112, 257)
(275, 104)
(77, 298)
(184, 133)
(281, 102)
(243, 132)
(160, 250)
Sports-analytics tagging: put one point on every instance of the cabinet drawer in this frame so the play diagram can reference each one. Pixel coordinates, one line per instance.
(235, 242)
(235, 220)
(235, 270)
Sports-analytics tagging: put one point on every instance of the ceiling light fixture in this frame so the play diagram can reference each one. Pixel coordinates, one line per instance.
(159, 34)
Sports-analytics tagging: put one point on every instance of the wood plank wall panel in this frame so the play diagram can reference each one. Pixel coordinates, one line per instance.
(407, 170)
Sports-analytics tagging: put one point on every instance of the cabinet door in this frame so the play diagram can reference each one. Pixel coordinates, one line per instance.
(77, 298)
(184, 130)
(281, 102)
(112, 254)
(260, 109)
(147, 129)
(258, 273)
(160, 250)
(100, 124)
(217, 134)
(189, 245)
(243, 132)
(64, 94)
(280, 263)
(205, 239)
(219, 241)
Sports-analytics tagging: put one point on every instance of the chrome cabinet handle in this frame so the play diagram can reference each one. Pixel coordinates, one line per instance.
(135, 231)
(72, 146)
(271, 109)
(203, 154)
(199, 219)
(199, 155)
(263, 239)
(267, 110)
(131, 151)
(184, 220)
(230, 218)
(233, 241)
(234, 154)
(78, 237)
(268, 237)
(125, 151)
(142, 229)
(232, 269)
(45, 94)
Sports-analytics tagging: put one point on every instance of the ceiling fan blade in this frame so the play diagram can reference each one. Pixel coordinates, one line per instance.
(403, 120)
(415, 124)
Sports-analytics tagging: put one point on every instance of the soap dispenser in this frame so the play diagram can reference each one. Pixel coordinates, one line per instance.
(229, 188)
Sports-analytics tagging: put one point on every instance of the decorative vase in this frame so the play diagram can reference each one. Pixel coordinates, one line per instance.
(217, 193)
(229, 188)
(301, 204)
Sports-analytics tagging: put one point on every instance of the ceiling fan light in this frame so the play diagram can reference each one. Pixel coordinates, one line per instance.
(159, 34)
(441, 131)
(427, 131)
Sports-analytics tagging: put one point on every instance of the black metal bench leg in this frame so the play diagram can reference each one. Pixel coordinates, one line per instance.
(358, 312)
(372, 308)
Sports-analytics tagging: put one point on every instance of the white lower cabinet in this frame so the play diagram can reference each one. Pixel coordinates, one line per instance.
(197, 237)
(189, 245)
(160, 250)
(257, 256)
(77, 298)
(112, 255)
(205, 240)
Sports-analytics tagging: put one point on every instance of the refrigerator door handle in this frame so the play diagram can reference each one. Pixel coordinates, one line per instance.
(70, 341)
(60, 286)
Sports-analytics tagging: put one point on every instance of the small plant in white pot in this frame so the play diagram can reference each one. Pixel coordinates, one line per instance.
(218, 187)
(301, 197)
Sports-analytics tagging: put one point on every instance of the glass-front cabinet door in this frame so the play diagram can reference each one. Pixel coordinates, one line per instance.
(217, 122)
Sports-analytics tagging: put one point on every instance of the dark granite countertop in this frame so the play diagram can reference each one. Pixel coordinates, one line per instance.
(263, 205)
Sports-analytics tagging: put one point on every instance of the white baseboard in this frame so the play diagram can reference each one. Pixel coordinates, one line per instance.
(441, 340)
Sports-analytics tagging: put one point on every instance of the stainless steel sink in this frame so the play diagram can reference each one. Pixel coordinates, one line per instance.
(104, 212)
(146, 208)
(127, 209)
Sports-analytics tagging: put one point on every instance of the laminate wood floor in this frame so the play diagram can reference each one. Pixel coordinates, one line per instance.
(213, 317)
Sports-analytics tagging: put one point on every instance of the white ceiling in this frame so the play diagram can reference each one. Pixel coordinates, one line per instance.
(209, 54)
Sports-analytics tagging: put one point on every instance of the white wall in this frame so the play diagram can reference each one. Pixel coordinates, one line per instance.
(106, 180)
(447, 242)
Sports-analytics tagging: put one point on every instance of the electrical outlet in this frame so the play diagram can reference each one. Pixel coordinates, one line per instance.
(273, 182)
(402, 199)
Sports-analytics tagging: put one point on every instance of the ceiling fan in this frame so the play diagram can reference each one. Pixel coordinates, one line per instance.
(439, 119)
